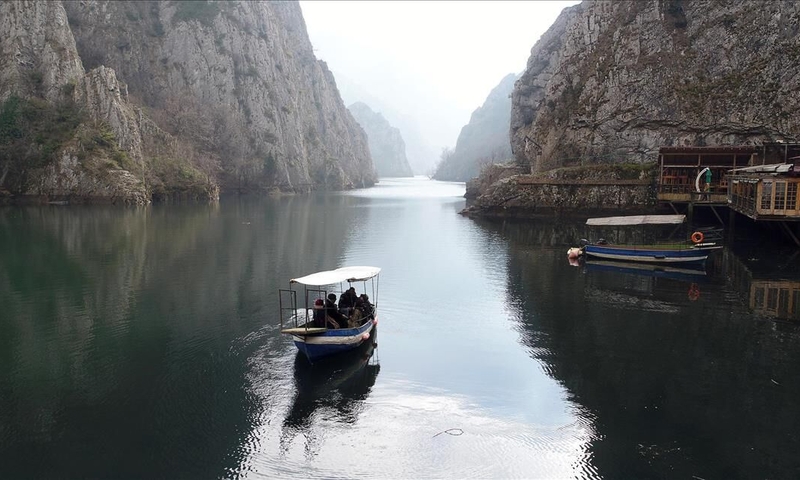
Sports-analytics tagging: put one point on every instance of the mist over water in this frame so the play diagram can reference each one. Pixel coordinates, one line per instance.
(144, 343)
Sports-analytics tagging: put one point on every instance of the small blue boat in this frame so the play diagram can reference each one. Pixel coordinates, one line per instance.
(696, 252)
(313, 329)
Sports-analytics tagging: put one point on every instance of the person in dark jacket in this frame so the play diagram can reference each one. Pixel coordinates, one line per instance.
(347, 302)
(367, 310)
(333, 313)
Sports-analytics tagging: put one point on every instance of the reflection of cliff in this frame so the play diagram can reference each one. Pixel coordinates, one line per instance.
(113, 322)
(697, 389)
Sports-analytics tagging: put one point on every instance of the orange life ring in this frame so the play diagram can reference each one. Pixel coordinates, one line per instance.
(698, 237)
(694, 292)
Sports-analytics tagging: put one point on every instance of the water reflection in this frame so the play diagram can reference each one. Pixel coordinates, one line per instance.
(117, 329)
(144, 343)
(772, 290)
(642, 286)
(332, 391)
(675, 387)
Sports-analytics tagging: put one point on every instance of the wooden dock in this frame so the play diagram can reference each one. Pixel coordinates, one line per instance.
(736, 177)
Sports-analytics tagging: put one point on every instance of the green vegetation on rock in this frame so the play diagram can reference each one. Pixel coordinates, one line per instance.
(31, 133)
(202, 11)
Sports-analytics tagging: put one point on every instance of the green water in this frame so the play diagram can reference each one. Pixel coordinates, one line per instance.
(144, 343)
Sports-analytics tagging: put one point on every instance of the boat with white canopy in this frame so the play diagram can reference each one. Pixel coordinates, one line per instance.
(317, 325)
(683, 252)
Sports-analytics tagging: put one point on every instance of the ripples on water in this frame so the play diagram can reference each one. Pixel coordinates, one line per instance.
(145, 343)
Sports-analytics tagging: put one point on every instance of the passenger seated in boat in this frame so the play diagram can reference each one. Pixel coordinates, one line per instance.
(347, 301)
(366, 308)
(332, 314)
(355, 318)
(319, 313)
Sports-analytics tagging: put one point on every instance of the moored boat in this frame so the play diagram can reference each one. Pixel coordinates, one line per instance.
(695, 251)
(313, 327)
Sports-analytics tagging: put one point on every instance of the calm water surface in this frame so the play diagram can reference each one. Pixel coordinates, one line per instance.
(144, 343)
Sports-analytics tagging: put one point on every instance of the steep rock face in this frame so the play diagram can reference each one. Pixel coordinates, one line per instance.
(49, 122)
(239, 80)
(37, 50)
(614, 81)
(385, 142)
(484, 139)
(67, 134)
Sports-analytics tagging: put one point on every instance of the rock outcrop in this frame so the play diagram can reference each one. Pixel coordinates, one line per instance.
(37, 51)
(504, 190)
(613, 81)
(52, 113)
(232, 93)
(239, 80)
(385, 142)
(484, 140)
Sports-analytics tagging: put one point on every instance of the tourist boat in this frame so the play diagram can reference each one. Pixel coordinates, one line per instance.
(317, 339)
(696, 251)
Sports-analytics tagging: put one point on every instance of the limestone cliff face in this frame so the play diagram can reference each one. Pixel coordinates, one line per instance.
(613, 81)
(484, 140)
(238, 80)
(37, 50)
(43, 88)
(385, 142)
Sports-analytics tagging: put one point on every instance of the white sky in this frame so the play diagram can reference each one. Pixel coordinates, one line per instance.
(431, 60)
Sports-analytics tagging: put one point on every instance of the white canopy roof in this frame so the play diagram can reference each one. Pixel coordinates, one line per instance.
(344, 274)
(637, 220)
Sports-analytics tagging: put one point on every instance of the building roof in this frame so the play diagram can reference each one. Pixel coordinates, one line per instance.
(722, 149)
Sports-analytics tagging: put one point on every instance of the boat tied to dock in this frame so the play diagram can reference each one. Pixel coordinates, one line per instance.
(696, 250)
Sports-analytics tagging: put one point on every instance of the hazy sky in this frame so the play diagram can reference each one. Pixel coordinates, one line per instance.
(433, 61)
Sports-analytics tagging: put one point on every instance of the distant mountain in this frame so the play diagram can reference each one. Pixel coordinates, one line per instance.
(386, 145)
(485, 139)
(421, 154)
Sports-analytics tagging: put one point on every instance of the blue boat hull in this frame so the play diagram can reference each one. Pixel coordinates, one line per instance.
(333, 341)
(650, 255)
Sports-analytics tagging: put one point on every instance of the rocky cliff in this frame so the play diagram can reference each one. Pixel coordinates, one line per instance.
(239, 80)
(385, 142)
(179, 98)
(484, 140)
(613, 81)
(63, 132)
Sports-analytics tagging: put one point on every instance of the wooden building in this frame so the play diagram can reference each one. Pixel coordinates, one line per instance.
(680, 167)
(765, 192)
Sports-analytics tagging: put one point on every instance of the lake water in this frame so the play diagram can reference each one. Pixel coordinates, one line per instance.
(144, 343)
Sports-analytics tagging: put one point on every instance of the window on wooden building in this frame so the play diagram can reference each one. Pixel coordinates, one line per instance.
(791, 196)
(780, 195)
(766, 195)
